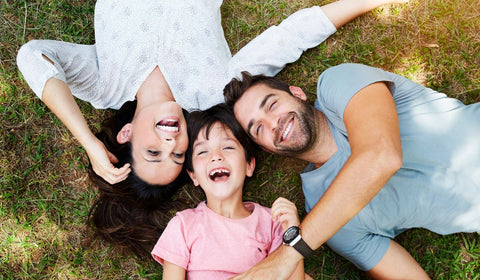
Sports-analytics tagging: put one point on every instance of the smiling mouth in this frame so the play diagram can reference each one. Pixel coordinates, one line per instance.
(219, 175)
(287, 130)
(169, 125)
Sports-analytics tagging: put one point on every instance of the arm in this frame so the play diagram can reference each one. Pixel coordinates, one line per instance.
(279, 45)
(173, 271)
(372, 125)
(397, 264)
(285, 212)
(343, 11)
(58, 98)
(48, 66)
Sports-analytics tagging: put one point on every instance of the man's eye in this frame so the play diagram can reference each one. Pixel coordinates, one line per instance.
(153, 153)
(271, 105)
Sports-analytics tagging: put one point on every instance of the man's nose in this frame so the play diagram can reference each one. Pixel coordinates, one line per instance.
(272, 122)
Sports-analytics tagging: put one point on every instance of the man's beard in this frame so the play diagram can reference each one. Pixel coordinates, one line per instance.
(303, 139)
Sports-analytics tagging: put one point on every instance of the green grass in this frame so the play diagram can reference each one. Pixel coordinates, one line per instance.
(44, 190)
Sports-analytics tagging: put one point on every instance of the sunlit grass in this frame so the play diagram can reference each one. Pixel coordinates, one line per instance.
(44, 191)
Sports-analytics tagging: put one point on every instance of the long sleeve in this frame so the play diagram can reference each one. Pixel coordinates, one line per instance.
(279, 45)
(75, 64)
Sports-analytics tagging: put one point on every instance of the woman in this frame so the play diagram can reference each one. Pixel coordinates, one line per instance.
(166, 55)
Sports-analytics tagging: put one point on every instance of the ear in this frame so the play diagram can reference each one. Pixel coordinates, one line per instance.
(250, 168)
(194, 179)
(298, 92)
(125, 134)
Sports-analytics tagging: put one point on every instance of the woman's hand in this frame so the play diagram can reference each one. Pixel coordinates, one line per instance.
(285, 212)
(102, 159)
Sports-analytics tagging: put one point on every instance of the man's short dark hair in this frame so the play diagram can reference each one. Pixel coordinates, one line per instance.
(234, 90)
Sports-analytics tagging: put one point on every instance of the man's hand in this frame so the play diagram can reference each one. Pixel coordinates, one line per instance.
(285, 212)
(278, 266)
(102, 159)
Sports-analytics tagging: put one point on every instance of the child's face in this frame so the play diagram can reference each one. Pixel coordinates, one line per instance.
(219, 164)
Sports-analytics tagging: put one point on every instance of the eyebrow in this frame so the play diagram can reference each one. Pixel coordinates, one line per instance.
(262, 104)
(197, 143)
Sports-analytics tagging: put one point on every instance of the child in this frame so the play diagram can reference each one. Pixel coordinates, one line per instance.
(223, 236)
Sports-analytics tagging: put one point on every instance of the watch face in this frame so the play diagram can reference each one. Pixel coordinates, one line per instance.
(290, 234)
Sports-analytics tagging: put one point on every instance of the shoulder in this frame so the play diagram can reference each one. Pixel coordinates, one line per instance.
(191, 214)
(352, 72)
(338, 84)
(258, 209)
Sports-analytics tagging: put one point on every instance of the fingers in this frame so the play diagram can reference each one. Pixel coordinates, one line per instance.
(112, 174)
(285, 212)
(116, 175)
(111, 157)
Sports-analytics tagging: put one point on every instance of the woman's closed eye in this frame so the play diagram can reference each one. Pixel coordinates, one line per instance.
(258, 130)
(178, 155)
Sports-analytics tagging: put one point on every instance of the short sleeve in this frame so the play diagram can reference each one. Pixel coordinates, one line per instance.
(363, 249)
(172, 245)
(337, 85)
(74, 64)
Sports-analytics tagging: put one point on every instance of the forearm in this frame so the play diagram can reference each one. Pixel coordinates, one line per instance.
(360, 179)
(59, 99)
(299, 273)
(343, 11)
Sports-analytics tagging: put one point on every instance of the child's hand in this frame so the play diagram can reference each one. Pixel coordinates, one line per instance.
(285, 212)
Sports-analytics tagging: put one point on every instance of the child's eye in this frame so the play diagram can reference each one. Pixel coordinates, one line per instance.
(201, 153)
(229, 148)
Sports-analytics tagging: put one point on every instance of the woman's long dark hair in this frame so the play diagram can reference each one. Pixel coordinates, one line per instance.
(130, 214)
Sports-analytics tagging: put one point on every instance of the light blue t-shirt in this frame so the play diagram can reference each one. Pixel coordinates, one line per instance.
(438, 185)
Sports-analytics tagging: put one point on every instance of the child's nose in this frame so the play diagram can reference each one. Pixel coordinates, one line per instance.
(217, 156)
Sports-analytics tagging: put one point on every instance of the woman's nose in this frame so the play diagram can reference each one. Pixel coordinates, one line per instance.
(169, 139)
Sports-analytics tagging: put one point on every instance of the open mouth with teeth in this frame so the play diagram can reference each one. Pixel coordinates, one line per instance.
(169, 125)
(287, 130)
(219, 175)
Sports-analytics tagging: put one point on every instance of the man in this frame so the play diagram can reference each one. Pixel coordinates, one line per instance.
(386, 155)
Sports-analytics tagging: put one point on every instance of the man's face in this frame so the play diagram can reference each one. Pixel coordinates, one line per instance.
(279, 122)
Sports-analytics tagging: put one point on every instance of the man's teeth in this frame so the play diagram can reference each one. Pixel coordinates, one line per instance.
(287, 130)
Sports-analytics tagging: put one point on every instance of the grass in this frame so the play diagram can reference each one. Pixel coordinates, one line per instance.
(44, 191)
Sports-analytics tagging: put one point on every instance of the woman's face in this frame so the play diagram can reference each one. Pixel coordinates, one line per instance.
(159, 141)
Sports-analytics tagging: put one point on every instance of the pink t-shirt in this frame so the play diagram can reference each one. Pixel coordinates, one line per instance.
(210, 246)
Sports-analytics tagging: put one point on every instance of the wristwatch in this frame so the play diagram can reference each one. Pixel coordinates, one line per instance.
(293, 238)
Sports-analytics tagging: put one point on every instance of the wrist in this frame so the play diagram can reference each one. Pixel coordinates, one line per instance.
(88, 142)
(290, 253)
(293, 238)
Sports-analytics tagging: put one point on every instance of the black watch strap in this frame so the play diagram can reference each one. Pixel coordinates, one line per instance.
(302, 247)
